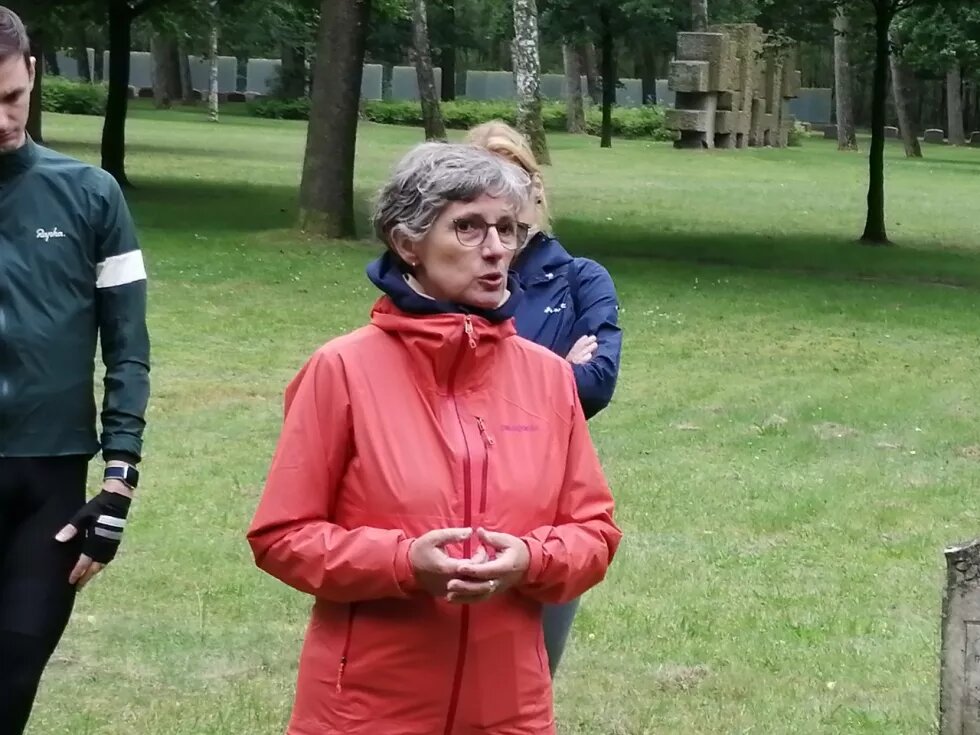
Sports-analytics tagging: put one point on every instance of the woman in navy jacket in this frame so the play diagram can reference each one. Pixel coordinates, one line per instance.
(570, 307)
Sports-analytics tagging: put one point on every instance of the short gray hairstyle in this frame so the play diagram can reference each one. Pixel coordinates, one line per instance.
(432, 175)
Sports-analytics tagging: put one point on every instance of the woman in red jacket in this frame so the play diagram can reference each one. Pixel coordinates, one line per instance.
(434, 482)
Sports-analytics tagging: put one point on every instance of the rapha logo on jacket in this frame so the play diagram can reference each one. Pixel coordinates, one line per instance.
(47, 235)
(555, 309)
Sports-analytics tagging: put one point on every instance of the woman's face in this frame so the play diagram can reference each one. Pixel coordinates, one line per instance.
(452, 264)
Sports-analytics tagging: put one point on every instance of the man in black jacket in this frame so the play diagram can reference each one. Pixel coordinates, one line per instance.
(71, 276)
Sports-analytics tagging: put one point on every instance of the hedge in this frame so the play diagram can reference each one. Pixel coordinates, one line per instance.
(73, 98)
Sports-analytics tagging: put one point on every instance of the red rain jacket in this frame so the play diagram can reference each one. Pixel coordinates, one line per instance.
(408, 425)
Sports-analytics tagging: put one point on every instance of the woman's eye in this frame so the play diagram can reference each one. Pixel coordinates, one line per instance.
(506, 228)
(464, 225)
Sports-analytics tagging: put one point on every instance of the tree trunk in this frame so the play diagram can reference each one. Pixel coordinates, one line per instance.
(575, 110)
(292, 73)
(80, 52)
(186, 80)
(327, 189)
(431, 112)
(954, 105)
(844, 83)
(608, 77)
(699, 15)
(162, 70)
(874, 229)
(646, 52)
(213, 65)
(447, 54)
(587, 57)
(117, 105)
(527, 65)
(50, 57)
(903, 81)
(34, 114)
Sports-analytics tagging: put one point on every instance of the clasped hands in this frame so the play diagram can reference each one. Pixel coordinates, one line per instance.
(467, 581)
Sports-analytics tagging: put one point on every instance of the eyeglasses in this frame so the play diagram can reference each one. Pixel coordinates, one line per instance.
(472, 232)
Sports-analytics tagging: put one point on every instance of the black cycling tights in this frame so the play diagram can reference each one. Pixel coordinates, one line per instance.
(37, 497)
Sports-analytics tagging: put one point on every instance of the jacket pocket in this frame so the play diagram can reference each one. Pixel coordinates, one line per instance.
(345, 650)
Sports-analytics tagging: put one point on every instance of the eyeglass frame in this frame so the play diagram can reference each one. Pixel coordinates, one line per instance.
(521, 227)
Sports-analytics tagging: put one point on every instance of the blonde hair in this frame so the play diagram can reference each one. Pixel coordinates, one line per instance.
(501, 139)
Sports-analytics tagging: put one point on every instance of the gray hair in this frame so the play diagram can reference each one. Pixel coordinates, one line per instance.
(432, 175)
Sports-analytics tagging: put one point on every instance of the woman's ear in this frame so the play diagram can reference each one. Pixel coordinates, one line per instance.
(404, 247)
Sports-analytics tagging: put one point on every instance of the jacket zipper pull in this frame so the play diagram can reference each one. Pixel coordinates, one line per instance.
(340, 674)
(468, 328)
(484, 433)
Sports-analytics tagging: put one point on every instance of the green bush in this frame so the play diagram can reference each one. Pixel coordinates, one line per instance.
(275, 109)
(628, 122)
(797, 134)
(73, 98)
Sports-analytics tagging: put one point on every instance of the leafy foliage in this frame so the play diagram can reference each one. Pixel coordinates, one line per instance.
(73, 98)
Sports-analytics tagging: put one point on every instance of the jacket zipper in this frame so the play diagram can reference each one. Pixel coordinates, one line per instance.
(346, 652)
(488, 442)
(464, 624)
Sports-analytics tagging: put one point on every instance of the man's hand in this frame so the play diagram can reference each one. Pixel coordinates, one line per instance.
(583, 350)
(506, 569)
(433, 567)
(102, 520)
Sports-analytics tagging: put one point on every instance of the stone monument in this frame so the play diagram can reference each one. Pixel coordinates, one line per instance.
(730, 92)
(959, 700)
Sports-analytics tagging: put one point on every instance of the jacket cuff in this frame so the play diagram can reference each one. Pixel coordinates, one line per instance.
(404, 574)
(536, 563)
(110, 455)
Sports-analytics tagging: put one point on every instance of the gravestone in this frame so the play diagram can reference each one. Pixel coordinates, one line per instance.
(891, 132)
(490, 85)
(68, 66)
(959, 701)
(814, 105)
(261, 75)
(935, 136)
(630, 94)
(665, 95)
(830, 132)
(201, 72)
(975, 139)
(371, 82)
(140, 69)
(405, 82)
(552, 86)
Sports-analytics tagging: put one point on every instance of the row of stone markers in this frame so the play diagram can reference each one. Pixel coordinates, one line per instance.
(730, 92)
(933, 135)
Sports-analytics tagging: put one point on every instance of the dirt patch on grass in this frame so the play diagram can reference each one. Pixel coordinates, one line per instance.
(680, 678)
(970, 452)
(829, 430)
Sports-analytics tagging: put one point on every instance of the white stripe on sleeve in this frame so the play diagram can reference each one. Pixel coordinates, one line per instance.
(119, 270)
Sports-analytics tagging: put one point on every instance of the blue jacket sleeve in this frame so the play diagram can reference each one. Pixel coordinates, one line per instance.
(597, 314)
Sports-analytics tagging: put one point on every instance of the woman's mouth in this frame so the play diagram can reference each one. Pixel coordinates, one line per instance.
(492, 280)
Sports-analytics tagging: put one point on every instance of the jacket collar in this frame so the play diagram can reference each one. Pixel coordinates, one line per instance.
(452, 347)
(16, 162)
(541, 257)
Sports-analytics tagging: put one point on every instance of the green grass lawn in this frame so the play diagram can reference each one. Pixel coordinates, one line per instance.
(793, 442)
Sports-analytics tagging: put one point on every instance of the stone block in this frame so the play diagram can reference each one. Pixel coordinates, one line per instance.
(236, 97)
(714, 48)
(665, 95)
(145, 93)
(371, 82)
(959, 678)
(726, 122)
(730, 101)
(934, 135)
(261, 75)
(227, 73)
(690, 76)
(975, 139)
(792, 83)
(630, 93)
(891, 132)
(405, 82)
(700, 121)
(491, 85)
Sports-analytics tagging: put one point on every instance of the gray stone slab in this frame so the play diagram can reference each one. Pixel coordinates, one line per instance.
(227, 73)
(371, 82)
(69, 67)
(261, 75)
(813, 105)
(891, 132)
(491, 85)
(830, 132)
(934, 136)
(690, 76)
(140, 69)
(405, 83)
(553, 86)
(630, 93)
(665, 95)
(975, 139)
(959, 701)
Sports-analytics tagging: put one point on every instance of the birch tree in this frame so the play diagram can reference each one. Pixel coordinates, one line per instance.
(527, 69)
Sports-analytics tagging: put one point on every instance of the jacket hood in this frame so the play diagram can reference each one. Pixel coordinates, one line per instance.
(388, 274)
(450, 347)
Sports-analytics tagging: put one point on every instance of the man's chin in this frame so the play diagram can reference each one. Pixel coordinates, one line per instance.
(12, 143)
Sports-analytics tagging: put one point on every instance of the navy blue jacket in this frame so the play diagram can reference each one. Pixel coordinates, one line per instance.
(566, 298)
